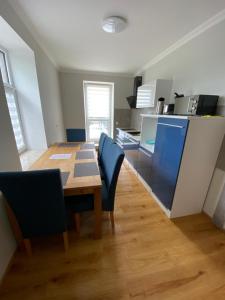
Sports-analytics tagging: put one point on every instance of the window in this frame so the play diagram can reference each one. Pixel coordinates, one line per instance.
(98, 99)
(3, 66)
(10, 93)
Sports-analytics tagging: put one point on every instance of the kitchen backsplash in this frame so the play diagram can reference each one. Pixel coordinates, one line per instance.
(122, 118)
(135, 121)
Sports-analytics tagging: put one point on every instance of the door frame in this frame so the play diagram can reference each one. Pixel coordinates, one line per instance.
(112, 84)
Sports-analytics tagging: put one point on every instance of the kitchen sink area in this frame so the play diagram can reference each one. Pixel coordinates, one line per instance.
(128, 138)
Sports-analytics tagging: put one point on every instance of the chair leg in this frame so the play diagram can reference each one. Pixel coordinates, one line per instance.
(65, 240)
(111, 214)
(27, 245)
(77, 222)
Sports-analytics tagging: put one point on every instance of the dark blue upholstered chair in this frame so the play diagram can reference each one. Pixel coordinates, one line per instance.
(76, 135)
(107, 141)
(101, 144)
(36, 201)
(112, 158)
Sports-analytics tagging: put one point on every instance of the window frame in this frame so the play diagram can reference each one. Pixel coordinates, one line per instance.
(111, 114)
(11, 87)
(4, 52)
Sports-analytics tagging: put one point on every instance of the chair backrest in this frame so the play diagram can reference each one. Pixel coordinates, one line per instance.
(37, 201)
(112, 161)
(76, 135)
(108, 141)
(101, 144)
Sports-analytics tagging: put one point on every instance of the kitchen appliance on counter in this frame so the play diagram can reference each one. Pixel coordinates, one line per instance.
(160, 106)
(168, 109)
(196, 105)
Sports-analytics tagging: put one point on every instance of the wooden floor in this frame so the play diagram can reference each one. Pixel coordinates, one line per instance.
(149, 257)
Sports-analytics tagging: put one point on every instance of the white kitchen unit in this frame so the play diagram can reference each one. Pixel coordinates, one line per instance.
(181, 161)
(148, 132)
(149, 93)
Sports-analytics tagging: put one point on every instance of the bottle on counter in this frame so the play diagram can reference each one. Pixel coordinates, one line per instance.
(159, 107)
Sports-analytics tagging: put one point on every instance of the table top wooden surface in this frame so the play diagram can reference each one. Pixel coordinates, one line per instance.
(74, 184)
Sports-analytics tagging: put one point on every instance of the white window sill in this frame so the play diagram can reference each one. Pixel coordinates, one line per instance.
(27, 158)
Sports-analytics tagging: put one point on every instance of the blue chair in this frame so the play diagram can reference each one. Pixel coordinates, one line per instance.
(76, 135)
(35, 200)
(112, 158)
(107, 141)
(101, 144)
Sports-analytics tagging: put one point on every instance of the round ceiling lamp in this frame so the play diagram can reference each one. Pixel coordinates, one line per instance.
(114, 24)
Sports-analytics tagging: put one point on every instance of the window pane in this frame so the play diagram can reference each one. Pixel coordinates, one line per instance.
(3, 68)
(98, 109)
(15, 119)
(98, 98)
(96, 128)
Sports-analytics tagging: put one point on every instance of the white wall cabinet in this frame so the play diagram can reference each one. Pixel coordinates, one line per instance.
(149, 93)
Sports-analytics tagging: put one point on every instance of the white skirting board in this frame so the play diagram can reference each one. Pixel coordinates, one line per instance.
(214, 192)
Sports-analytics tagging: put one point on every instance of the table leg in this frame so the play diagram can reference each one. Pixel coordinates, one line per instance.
(98, 214)
(14, 225)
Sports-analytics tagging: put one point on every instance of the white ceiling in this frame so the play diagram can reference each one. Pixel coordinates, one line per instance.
(70, 30)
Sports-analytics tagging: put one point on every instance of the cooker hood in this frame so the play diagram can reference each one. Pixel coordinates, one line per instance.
(132, 100)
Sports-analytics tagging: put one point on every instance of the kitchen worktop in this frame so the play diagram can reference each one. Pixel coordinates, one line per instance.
(189, 117)
(131, 132)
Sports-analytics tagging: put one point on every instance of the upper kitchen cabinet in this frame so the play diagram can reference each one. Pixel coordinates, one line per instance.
(149, 93)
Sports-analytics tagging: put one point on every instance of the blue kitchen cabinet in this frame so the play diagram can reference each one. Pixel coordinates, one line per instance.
(166, 160)
(132, 156)
(141, 162)
(143, 165)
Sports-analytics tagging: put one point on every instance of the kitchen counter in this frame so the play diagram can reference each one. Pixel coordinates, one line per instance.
(189, 117)
(128, 138)
(131, 132)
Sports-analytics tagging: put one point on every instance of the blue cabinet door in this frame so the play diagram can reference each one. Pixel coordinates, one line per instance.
(143, 165)
(132, 156)
(169, 144)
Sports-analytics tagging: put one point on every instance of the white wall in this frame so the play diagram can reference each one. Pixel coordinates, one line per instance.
(73, 100)
(197, 67)
(50, 97)
(25, 80)
(47, 77)
(50, 100)
(9, 161)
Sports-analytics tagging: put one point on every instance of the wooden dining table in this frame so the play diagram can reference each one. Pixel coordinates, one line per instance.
(80, 174)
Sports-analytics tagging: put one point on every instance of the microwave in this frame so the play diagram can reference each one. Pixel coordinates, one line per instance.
(196, 105)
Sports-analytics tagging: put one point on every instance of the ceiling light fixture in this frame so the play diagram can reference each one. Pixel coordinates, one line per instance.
(114, 24)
